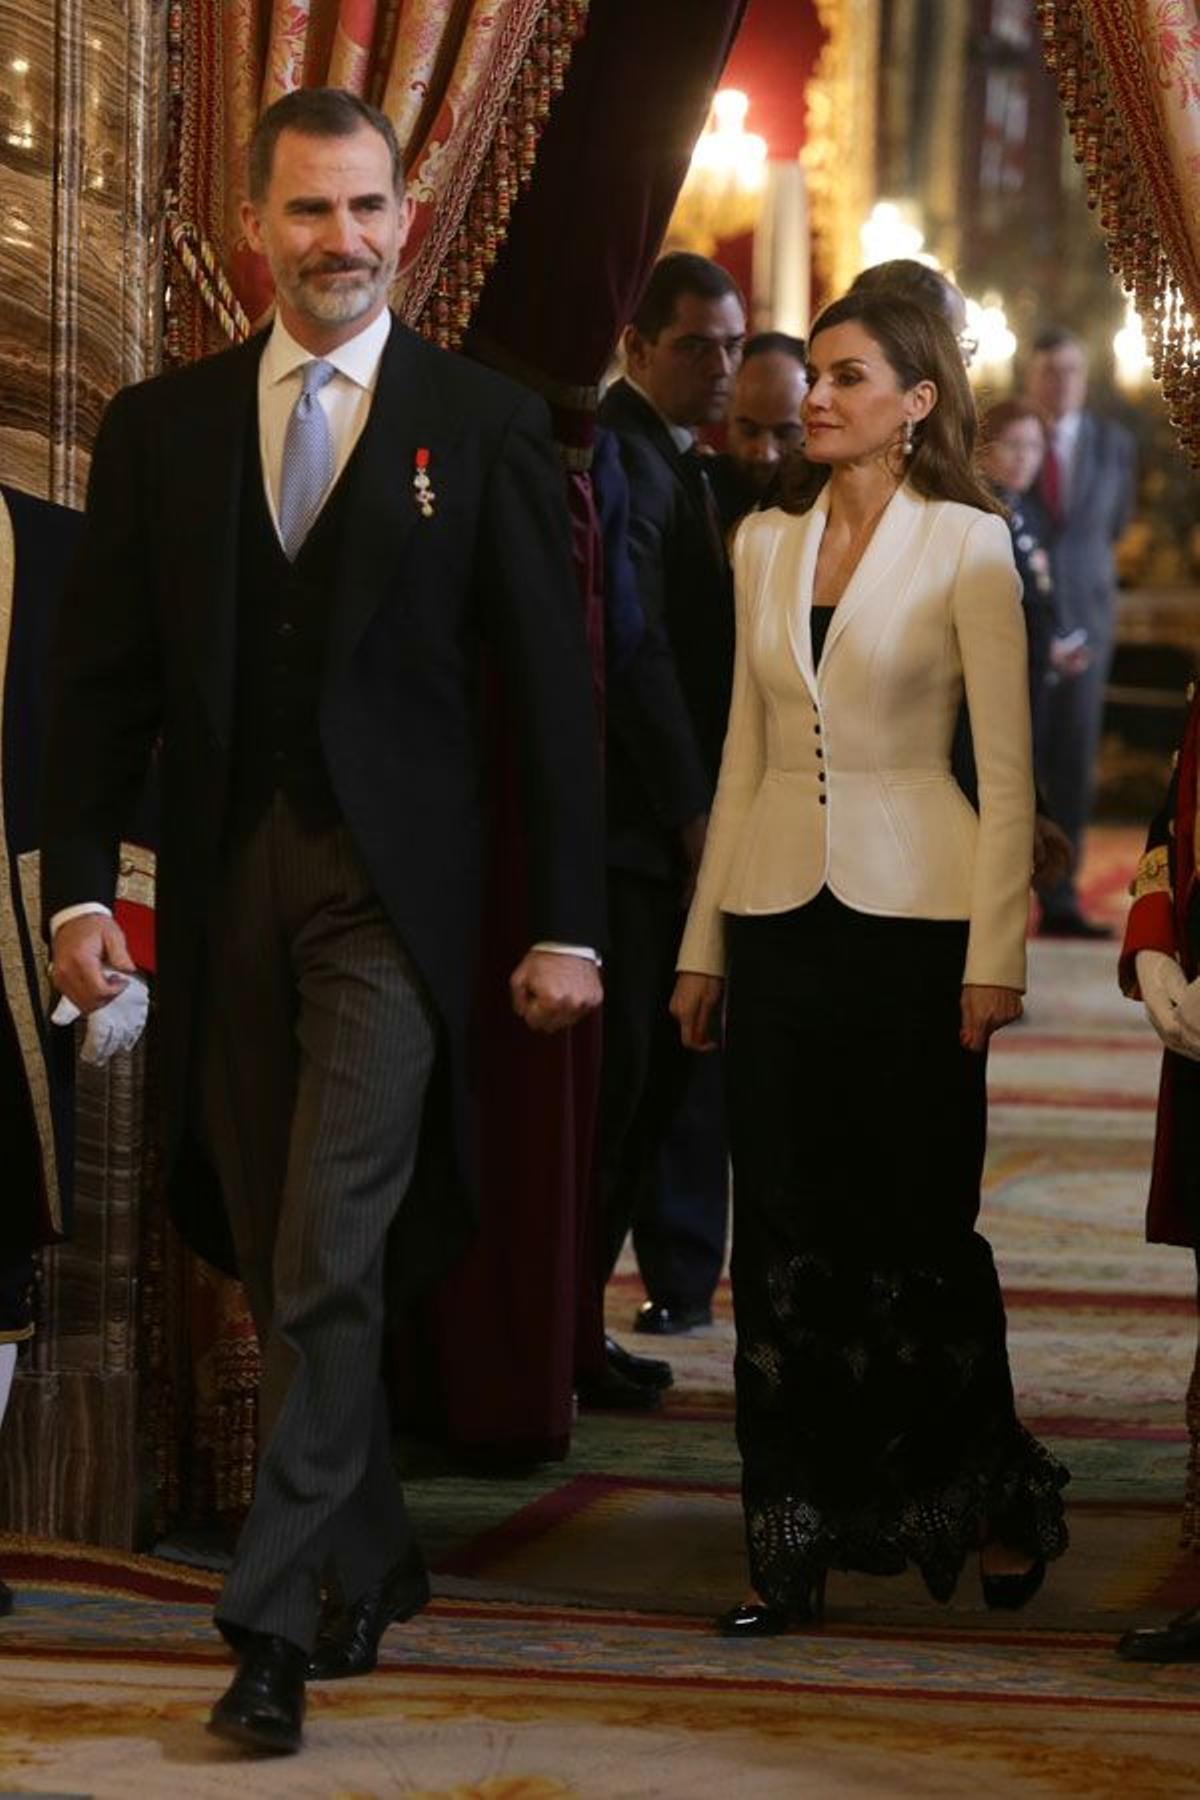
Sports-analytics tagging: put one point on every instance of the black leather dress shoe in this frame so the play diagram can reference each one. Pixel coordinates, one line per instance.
(755, 1619)
(1177, 1642)
(614, 1392)
(646, 1371)
(6, 1599)
(749, 1621)
(263, 1707)
(1073, 925)
(348, 1643)
(658, 1319)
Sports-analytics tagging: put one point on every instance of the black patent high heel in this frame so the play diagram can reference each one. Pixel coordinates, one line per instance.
(754, 1618)
(1005, 1593)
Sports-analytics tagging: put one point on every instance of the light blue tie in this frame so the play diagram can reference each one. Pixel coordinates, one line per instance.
(307, 461)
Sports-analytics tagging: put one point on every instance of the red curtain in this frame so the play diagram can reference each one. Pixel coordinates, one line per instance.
(521, 1315)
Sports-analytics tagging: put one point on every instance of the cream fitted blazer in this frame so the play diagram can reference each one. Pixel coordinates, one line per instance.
(841, 776)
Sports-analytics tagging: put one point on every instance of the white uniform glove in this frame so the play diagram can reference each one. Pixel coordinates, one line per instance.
(1172, 1002)
(115, 1026)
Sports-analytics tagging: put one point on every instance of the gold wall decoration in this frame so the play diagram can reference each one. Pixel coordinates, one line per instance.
(82, 151)
(840, 151)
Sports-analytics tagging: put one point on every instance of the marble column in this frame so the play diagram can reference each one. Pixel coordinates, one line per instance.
(83, 136)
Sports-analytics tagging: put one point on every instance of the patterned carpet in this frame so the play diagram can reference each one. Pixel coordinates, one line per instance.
(567, 1652)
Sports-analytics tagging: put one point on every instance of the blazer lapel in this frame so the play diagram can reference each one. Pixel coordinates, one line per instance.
(406, 415)
(204, 523)
(896, 525)
(797, 567)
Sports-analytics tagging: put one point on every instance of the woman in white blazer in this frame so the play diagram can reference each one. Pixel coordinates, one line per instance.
(872, 928)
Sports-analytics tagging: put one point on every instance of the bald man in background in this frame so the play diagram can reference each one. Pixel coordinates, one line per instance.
(764, 426)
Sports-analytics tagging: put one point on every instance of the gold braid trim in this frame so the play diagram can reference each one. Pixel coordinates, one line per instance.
(200, 263)
(445, 313)
(1108, 91)
(14, 986)
(1153, 874)
(1190, 1535)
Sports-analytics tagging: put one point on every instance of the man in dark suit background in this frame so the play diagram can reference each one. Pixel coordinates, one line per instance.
(663, 1156)
(765, 425)
(1086, 493)
(295, 556)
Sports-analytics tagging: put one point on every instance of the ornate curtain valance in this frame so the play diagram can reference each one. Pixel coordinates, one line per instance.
(1128, 72)
(468, 85)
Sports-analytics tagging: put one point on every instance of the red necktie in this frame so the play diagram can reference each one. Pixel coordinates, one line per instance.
(1050, 482)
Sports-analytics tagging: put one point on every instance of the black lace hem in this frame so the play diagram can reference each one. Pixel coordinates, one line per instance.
(1012, 1492)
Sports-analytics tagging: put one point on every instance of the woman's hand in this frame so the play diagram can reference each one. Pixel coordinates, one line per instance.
(984, 1010)
(693, 1004)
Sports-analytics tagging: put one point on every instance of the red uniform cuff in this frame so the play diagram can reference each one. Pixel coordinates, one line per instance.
(1150, 926)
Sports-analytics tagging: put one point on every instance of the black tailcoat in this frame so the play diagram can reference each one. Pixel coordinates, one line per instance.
(147, 652)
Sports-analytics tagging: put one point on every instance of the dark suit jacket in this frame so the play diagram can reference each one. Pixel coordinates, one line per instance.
(36, 1061)
(147, 649)
(1102, 492)
(669, 706)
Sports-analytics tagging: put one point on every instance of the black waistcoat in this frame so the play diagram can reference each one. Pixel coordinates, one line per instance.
(283, 612)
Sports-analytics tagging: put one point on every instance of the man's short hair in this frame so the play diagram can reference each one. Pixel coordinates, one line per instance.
(1054, 337)
(764, 342)
(915, 280)
(317, 112)
(674, 275)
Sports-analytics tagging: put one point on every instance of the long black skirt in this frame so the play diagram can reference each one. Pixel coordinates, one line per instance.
(875, 1410)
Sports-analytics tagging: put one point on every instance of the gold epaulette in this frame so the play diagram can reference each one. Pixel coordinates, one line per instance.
(1153, 874)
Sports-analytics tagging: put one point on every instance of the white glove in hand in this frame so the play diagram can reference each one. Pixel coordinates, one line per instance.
(1172, 1004)
(117, 1025)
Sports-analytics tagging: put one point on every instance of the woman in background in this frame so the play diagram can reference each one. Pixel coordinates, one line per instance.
(873, 931)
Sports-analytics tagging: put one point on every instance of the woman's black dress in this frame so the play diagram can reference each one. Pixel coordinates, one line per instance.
(875, 1410)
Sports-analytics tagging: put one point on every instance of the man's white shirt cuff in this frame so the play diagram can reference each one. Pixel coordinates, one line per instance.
(77, 912)
(584, 950)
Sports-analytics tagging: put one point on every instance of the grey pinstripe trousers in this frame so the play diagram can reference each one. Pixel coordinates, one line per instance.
(318, 1045)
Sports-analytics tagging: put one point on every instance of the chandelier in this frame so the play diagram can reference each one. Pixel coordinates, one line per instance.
(722, 195)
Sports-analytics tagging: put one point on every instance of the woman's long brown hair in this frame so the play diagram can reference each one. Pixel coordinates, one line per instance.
(918, 346)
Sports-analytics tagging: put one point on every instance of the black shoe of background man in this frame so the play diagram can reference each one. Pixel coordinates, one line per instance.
(348, 1642)
(614, 1392)
(1074, 925)
(659, 1318)
(263, 1707)
(645, 1371)
(6, 1599)
(1174, 1643)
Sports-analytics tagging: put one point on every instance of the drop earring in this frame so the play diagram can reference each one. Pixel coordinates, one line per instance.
(909, 438)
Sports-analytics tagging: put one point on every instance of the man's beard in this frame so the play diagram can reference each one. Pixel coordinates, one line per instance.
(345, 302)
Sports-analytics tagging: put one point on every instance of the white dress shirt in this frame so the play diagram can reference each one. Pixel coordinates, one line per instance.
(346, 402)
(1064, 436)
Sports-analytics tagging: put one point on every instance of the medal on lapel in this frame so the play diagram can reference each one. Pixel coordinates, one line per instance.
(422, 486)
